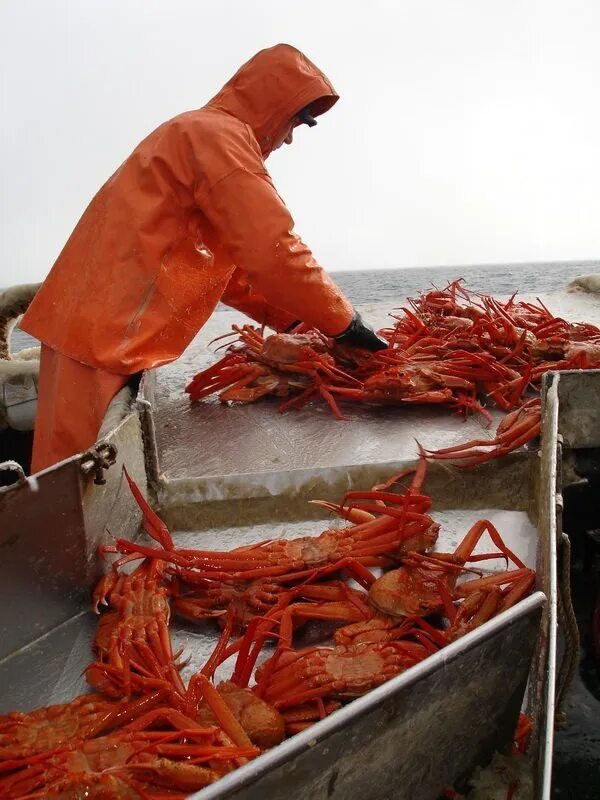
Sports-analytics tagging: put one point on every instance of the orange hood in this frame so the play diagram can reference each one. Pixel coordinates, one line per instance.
(271, 88)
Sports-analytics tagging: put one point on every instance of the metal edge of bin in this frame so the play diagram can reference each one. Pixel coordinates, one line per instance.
(145, 402)
(344, 721)
(542, 688)
(51, 526)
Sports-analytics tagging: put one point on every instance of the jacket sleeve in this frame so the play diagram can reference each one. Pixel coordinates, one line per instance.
(253, 223)
(239, 295)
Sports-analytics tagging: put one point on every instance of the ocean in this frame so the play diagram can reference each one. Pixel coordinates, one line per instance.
(393, 286)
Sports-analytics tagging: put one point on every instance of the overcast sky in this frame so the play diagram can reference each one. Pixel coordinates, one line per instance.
(467, 130)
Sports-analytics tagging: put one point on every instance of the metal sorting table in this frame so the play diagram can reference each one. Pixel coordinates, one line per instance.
(226, 476)
(207, 453)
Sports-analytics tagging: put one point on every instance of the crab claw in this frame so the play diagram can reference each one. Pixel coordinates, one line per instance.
(102, 591)
(351, 514)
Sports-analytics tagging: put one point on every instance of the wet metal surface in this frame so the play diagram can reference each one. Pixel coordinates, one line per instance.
(44, 552)
(50, 670)
(204, 447)
(52, 525)
(199, 640)
(209, 440)
(416, 733)
(542, 685)
(475, 686)
(472, 686)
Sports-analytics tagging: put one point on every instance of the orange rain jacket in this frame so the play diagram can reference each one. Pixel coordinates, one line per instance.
(191, 218)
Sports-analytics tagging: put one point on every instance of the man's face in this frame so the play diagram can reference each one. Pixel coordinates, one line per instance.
(287, 134)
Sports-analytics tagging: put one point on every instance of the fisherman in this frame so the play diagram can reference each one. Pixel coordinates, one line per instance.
(191, 218)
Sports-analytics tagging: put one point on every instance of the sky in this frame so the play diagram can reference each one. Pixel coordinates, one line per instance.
(467, 130)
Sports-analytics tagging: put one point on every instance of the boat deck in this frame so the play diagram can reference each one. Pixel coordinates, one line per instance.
(265, 466)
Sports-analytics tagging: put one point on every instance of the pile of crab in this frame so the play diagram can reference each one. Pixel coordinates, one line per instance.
(391, 598)
(448, 347)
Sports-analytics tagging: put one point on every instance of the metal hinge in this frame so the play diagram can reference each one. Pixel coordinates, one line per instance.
(98, 459)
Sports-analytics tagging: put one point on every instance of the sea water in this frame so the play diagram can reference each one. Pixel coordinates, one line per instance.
(393, 286)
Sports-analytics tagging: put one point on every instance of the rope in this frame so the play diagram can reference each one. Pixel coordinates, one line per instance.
(14, 301)
(566, 614)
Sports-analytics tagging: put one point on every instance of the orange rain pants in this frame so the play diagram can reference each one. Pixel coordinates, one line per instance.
(73, 399)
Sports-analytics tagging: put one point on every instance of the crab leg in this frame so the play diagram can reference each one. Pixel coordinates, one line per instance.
(217, 655)
(233, 378)
(201, 688)
(152, 523)
(349, 514)
(342, 612)
(521, 576)
(525, 437)
(423, 502)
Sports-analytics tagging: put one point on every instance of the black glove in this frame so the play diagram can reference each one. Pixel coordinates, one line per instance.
(291, 327)
(359, 334)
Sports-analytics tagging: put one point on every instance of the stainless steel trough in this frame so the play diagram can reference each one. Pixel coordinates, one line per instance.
(417, 733)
